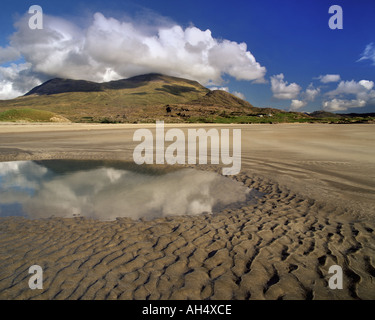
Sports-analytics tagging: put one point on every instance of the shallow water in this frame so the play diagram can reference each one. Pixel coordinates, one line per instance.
(107, 190)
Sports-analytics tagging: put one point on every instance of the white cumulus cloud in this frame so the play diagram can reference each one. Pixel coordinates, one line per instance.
(342, 104)
(282, 90)
(351, 87)
(239, 95)
(311, 93)
(16, 79)
(342, 97)
(329, 78)
(367, 84)
(8, 54)
(297, 104)
(219, 88)
(109, 49)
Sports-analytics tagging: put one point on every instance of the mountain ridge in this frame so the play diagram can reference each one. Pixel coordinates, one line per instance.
(63, 85)
(151, 97)
(142, 98)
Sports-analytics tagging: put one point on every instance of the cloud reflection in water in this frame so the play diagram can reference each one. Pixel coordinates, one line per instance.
(35, 190)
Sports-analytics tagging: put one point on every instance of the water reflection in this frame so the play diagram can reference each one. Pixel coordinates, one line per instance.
(105, 191)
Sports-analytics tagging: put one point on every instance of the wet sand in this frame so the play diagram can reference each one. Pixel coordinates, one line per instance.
(318, 211)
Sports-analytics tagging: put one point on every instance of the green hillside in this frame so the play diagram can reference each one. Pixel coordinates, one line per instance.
(127, 100)
(145, 99)
(30, 115)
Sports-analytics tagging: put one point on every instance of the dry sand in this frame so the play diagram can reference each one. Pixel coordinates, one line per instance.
(318, 211)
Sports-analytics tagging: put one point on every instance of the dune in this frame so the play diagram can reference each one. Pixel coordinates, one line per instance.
(317, 211)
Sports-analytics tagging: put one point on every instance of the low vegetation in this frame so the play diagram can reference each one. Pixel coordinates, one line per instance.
(30, 115)
(147, 98)
(284, 117)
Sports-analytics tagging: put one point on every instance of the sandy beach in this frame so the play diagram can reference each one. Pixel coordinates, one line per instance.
(318, 210)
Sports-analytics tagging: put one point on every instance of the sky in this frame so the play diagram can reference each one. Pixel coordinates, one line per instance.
(273, 53)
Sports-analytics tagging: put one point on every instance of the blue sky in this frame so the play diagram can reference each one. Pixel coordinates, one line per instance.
(273, 53)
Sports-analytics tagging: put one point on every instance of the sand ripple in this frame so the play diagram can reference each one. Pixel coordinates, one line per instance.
(278, 248)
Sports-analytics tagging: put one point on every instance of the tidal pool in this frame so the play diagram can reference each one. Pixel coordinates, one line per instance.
(107, 190)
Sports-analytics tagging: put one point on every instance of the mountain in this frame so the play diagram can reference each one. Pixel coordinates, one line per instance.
(324, 114)
(223, 98)
(143, 98)
(147, 98)
(58, 85)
